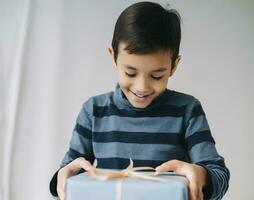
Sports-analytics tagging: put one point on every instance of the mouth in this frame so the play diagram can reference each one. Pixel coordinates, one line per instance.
(142, 97)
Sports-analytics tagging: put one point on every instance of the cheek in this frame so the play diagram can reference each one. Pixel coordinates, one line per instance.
(160, 85)
(123, 81)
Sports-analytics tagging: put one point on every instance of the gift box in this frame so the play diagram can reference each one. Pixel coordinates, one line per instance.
(169, 186)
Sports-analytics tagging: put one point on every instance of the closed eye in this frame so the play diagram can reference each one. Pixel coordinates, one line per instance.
(153, 77)
(157, 78)
(130, 75)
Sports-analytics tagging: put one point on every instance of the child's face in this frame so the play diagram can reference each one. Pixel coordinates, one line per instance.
(143, 77)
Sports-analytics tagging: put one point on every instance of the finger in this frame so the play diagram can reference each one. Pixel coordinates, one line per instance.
(86, 165)
(194, 192)
(201, 194)
(80, 163)
(171, 165)
(189, 192)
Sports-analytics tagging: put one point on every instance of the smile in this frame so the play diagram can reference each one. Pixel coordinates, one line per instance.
(141, 96)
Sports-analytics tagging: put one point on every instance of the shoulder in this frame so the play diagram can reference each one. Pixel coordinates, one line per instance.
(98, 100)
(191, 105)
(181, 99)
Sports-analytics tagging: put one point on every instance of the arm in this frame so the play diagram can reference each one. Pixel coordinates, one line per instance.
(80, 148)
(201, 149)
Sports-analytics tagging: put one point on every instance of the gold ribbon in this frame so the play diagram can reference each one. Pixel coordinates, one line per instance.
(130, 171)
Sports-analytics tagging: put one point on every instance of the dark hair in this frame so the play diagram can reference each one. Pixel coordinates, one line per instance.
(147, 27)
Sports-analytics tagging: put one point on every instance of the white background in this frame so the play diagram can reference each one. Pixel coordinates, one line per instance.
(53, 56)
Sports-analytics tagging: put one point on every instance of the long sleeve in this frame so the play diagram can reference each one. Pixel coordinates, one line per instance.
(80, 144)
(201, 149)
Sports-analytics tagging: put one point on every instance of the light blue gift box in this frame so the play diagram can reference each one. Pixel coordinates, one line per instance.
(84, 187)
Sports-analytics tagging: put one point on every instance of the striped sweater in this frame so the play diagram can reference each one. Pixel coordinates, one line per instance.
(174, 126)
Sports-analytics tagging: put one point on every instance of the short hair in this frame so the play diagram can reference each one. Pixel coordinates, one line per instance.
(147, 27)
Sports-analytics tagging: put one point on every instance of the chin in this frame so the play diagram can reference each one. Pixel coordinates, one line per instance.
(141, 106)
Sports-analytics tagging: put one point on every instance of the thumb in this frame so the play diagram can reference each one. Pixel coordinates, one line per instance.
(171, 165)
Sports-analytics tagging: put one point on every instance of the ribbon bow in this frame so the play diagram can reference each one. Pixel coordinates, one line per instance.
(130, 171)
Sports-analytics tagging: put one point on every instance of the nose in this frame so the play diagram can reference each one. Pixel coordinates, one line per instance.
(142, 86)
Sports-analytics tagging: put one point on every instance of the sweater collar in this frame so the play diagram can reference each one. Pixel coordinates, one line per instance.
(123, 103)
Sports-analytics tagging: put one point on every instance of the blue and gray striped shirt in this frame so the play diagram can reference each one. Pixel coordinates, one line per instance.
(174, 126)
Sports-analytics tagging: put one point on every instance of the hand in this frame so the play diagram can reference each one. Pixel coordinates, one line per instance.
(69, 170)
(196, 175)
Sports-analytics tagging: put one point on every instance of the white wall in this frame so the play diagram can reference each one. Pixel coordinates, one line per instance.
(59, 56)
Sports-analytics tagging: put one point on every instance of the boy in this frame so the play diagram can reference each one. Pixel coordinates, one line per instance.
(142, 119)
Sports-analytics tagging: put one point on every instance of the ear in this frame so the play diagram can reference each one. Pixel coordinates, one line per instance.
(175, 65)
(111, 52)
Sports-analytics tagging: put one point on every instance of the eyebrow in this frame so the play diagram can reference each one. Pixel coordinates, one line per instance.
(157, 70)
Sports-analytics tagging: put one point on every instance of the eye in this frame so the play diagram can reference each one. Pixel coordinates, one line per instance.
(153, 77)
(157, 78)
(130, 75)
